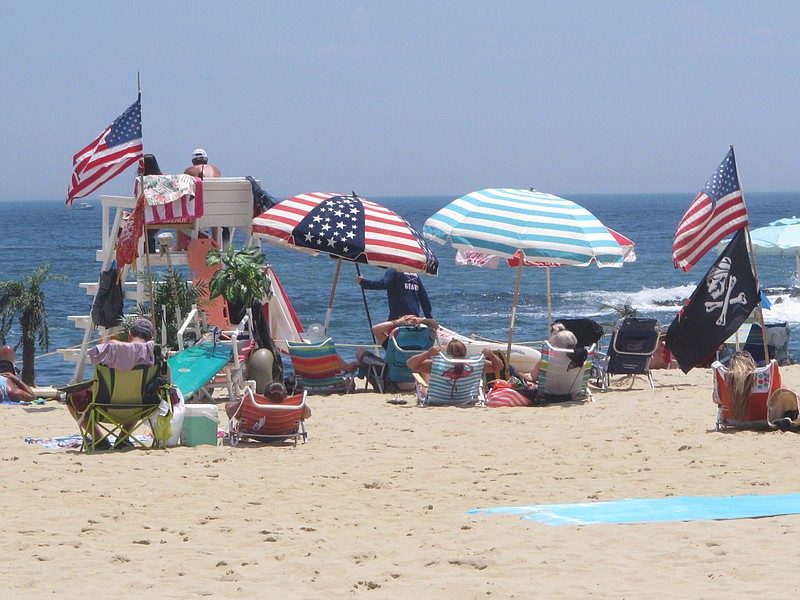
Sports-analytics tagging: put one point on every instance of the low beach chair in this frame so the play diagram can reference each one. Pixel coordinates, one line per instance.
(259, 419)
(120, 397)
(316, 368)
(767, 381)
(564, 374)
(403, 343)
(446, 388)
(632, 346)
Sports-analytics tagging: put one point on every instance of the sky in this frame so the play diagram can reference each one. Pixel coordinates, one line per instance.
(409, 98)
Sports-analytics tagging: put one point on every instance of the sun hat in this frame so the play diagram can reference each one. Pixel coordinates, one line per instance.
(199, 153)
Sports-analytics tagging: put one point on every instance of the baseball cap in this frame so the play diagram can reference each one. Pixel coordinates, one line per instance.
(199, 153)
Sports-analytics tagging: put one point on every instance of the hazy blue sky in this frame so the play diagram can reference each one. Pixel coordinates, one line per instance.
(410, 97)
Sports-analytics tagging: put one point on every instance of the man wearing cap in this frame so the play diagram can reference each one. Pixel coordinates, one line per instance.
(200, 167)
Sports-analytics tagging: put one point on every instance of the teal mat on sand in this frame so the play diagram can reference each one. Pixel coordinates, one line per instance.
(648, 510)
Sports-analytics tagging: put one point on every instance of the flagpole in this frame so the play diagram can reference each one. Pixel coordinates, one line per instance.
(144, 222)
(755, 268)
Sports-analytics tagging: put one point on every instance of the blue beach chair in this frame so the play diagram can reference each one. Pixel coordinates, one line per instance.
(404, 343)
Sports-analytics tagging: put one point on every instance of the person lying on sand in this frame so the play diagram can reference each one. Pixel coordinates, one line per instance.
(12, 388)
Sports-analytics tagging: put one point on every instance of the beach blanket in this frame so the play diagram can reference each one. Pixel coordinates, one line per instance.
(75, 441)
(649, 510)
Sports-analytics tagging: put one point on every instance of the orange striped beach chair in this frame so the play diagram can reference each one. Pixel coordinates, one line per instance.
(257, 418)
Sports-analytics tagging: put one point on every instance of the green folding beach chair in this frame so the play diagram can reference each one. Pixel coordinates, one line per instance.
(123, 400)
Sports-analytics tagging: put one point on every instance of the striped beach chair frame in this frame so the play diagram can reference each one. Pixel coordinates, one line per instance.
(259, 419)
(446, 390)
(316, 368)
(557, 381)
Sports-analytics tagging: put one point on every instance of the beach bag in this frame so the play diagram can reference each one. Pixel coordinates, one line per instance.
(107, 307)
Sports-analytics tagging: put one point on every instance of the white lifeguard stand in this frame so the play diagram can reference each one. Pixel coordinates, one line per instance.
(227, 203)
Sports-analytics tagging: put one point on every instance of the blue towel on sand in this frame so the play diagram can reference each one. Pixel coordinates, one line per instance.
(647, 510)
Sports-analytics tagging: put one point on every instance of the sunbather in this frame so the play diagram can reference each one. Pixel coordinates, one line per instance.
(422, 362)
(12, 388)
(140, 350)
(275, 392)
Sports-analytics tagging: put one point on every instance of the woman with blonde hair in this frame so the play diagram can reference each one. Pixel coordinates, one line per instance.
(740, 381)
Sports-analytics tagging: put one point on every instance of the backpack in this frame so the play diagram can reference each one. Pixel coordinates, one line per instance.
(107, 309)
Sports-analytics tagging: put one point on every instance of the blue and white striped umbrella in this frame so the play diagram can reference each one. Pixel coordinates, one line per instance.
(544, 228)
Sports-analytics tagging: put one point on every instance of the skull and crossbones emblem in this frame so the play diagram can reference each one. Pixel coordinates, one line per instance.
(720, 284)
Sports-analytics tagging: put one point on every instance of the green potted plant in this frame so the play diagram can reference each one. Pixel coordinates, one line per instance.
(242, 280)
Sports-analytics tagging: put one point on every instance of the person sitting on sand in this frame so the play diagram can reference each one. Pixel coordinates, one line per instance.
(422, 362)
(560, 337)
(12, 388)
(275, 392)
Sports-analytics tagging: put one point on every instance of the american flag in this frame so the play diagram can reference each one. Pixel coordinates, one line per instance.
(114, 150)
(718, 210)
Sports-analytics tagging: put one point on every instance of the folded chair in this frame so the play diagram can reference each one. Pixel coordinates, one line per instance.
(316, 368)
(119, 397)
(564, 374)
(767, 381)
(446, 388)
(632, 346)
(403, 343)
(259, 419)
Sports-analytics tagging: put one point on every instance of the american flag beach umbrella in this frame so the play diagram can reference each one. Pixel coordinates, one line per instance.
(349, 228)
(528, 228)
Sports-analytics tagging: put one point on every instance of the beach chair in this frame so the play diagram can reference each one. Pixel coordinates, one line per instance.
(257, 418)
(632, 346)
(316, 368)
(767, 381)
(445, 388)
(124, 396)
(403, 343)
(564, 374)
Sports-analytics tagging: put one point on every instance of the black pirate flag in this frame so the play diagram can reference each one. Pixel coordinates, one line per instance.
(720, 304)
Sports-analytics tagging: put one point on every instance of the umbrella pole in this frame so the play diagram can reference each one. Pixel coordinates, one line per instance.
(549, 304)
(333, 293)
(513, 315)
(366, 308)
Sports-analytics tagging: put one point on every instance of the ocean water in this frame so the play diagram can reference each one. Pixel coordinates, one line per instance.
(465, 299)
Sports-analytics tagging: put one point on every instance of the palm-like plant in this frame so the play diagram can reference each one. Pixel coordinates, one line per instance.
(243, 280)
(25, 300)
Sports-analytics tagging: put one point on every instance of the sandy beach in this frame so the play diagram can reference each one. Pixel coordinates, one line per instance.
(375, 504)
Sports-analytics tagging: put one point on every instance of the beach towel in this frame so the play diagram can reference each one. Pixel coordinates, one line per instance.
(650, 510)
(37, 402)
(171, 199)
(75, 441)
